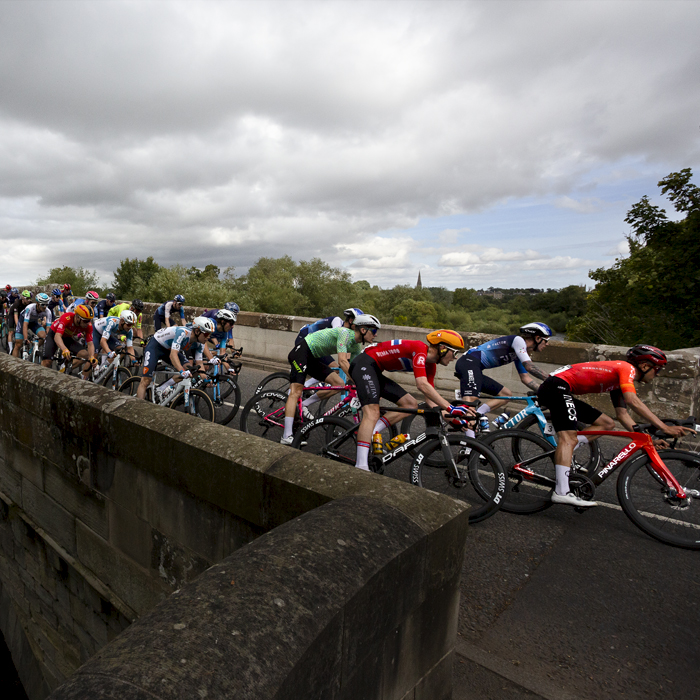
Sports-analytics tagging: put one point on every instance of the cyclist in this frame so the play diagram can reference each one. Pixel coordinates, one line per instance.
(615, 377)
(91, 299)
(532, 337)
(308, 355)
(16, 309)
(137, 307)
(67, 293)
(64, 333)
(162, 315)
(34, 318)
(224, 320)
(367, 371)
(57, 302)
(103, 308)
(106, 332)
(171, 344)
(232, 306)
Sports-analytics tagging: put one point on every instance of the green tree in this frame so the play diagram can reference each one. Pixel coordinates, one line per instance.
(80, 280)
(651, 296)
(132, 277)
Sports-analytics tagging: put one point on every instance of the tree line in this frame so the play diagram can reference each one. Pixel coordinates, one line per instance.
(649, 296)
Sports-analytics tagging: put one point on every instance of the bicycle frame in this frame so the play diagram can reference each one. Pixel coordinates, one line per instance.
(639, 442)
(532, 408)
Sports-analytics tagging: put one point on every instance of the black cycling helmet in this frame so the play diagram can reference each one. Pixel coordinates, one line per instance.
(646, 353)
(137, 304)
(110, 297)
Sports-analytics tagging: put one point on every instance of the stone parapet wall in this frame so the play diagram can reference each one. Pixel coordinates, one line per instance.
(109, 504)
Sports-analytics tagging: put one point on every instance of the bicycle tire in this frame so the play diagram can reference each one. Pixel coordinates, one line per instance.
(646, 502)
(123, 375)
(200, 405)
(524, 497)
(226, 398)
(263, 415)
(277, 381)
(131, 385)
(331, 438)
(484, 472)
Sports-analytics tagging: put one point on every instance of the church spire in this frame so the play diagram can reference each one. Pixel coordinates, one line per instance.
(419, 285)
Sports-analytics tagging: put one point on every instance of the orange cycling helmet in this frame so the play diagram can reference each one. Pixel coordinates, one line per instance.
(84, 312)
(450, 338)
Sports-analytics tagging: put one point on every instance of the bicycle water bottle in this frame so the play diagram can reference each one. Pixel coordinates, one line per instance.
(377, 444)
(484, 424)
(501, 420)
(396, 441)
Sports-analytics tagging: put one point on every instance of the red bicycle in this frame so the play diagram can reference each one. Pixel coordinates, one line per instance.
(659, 491)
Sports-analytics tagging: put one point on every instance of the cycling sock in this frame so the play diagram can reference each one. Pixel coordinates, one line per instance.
(288, 425)
(483, 409)
(562, 472)
(382, 424)
(310, 400)
(170, 382)
(311, 382)
(362, 454)
(582, 440)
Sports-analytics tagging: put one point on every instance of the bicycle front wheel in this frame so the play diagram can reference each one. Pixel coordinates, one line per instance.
(226, 397)
(200, 405)
(277, 381)
(263, 415)
(480, 479)
(527, 493)
(647, 502)
(123, 375)
(332, 438)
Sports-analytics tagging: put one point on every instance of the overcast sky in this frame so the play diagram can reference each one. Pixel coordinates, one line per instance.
(482, 143)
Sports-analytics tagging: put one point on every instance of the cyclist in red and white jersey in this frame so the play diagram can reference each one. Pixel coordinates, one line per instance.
(367, 371)
(617, 378)
(63, 335)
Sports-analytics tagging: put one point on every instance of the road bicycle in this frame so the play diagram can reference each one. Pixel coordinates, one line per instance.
(659, 491)
(32, 350)
(179, 396)
(111, 373)
(4, 333)
(464, 462)
(222, 389)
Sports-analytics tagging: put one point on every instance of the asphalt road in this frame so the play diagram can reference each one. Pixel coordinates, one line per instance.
(564, 605)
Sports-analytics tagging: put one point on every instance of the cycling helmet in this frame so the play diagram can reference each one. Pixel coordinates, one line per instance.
(128, 316)
(110, 297)
(8, 287)
(56, 292)
(92, 296)
(353, 312)
(15, 291)
(232, 306)
(137, 304)
(203, 324)
(367, 321)
(3, 294)
(27, 294)
(42, 298)
(451, 339)
(225, 315)
(536, 328)
(84, 311)
(646, 353)
(180, 298)
(66, 287)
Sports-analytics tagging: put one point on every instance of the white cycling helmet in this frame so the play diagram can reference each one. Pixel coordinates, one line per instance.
(353, 313)
(537, 328)
(204, 324)
(226, 315)
(128, 316)
(367, 320)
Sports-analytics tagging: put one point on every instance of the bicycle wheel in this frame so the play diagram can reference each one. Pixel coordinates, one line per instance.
(200, 405)
(123, 375)
(332, 438)
(689, 443)
(130, 386)
(482, 481)
(263, 415)
(226, 397)
(646, 500)
(513, 447)
(277, 381)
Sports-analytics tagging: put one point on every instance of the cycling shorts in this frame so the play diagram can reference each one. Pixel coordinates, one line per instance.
(371, 383)
(154, 351)
(566, 412)
(472, 380)
(33, 326)
(50, 347)
(303, 362)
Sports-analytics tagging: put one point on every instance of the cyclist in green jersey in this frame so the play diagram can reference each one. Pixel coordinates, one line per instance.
(305, 359)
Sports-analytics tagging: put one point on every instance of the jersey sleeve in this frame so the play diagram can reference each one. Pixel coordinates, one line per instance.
(521, 357)
(618, 400)
(627, 374)
(345, 339)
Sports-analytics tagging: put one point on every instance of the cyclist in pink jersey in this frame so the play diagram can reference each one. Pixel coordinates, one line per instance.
(367, 371)
(617, 378)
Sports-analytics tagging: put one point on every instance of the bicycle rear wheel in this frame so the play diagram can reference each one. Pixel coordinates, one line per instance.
(200, 405)
(481, 480)
(263, 415)
(646, 500)
(332, 438)
(277, 381)
(513, 447)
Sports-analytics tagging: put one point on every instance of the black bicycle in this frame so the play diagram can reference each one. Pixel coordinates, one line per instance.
(468, 469)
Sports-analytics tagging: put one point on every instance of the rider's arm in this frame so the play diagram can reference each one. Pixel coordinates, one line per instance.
(624, 417)
(535, 371)
(104, 346)
(175, 360)
(529, 382)
(344, 362)
(638, 406)
(25, 329)
(431, 394)
(58, 339)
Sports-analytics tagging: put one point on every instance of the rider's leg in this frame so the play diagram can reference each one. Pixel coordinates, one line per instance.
(370, 415)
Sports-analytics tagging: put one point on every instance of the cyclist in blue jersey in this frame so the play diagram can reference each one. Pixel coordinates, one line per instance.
(162, 315)
(103, 307)
(57, 303)
(106, 332)
(90, 299)
(224, 321)
(533, 337)
(171, 344)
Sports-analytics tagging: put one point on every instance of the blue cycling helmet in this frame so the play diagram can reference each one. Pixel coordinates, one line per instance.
(353, 313)
(14, 290)
(537, 328)
(56, 292)
(180, 298)
(232, 306)
(42, 298)
(110, 297)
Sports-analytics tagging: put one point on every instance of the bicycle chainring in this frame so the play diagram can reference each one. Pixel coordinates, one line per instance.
(582, 486)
